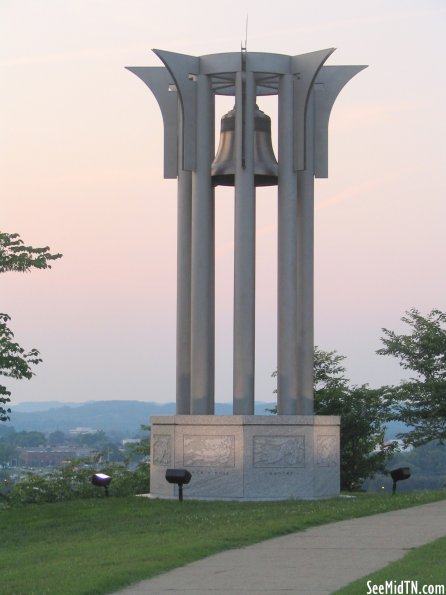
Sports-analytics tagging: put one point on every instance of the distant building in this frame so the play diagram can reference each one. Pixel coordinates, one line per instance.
(81, 431)
(51, 457)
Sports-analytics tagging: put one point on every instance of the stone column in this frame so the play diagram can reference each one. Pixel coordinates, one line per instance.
(244, 246)
(202, 274)
(305, 260)
(287, 300)
(184, 222)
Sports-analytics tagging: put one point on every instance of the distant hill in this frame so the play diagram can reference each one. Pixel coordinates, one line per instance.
(122, 417)
(116, 417)
(31, 406)
(393, 428)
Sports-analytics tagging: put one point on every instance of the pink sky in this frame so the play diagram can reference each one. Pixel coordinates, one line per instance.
(81, 170)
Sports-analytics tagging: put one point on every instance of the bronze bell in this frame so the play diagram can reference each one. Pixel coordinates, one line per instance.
(265, 163)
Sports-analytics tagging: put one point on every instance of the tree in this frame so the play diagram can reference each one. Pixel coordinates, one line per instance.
(56, 438)
(15, 361)
(30, 439)
(139, 451)
(363, 412)
(15, 256)
(420, 402)
(96, 439)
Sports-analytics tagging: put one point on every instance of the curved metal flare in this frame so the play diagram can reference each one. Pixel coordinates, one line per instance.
(265, 163)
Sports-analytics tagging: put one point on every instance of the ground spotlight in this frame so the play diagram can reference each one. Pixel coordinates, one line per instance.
(398, 475)
(178, 477)
(101, 481)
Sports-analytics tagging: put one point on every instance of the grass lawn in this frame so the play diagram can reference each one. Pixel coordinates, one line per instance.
(426, 564)
(100, 545)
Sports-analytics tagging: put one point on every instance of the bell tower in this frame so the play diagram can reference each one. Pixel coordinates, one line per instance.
(228, 455)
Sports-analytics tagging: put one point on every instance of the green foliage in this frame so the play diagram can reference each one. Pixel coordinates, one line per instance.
(101, 545)
(15, 256)
(424, 564)
(420, 401)
(127, 482)
(363, 415)
(11, 441)
(427, 464)
(8, 452)
(363, 412)
(16, 362)
(56, 438)
(73, 482)
(32, 438)
(139, 450)
(329, 372)
(429, 458)
(96, 439)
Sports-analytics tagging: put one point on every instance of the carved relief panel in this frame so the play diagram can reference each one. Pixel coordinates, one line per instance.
(279, 451)
(327, 451)
(209, 451)
(162, 450)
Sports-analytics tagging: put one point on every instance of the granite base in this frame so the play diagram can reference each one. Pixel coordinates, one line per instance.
(247, 457)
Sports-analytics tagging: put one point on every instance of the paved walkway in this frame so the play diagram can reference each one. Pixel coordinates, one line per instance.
(317, 561)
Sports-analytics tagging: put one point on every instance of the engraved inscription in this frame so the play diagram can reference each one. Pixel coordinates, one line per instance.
(162, 450)
(279, 451)
(208, 451)
(211, 473)
(327, 451)
(280, 473)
